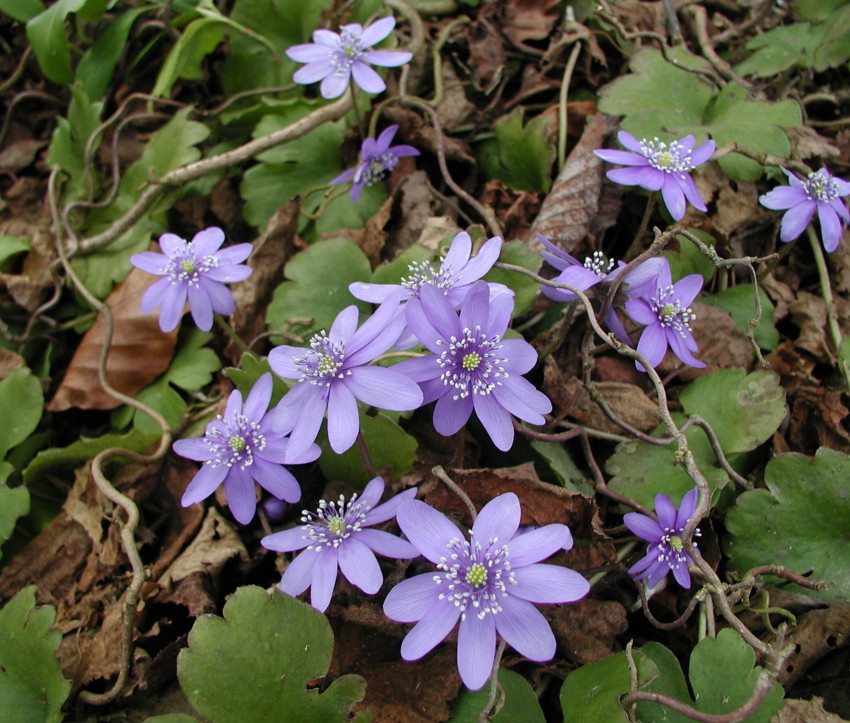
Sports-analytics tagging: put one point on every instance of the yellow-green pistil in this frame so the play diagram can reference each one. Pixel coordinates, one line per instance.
(676, 543)
(237, 443)
(336, 525)
(476, 575)
(327, 366)
(471, 361)
(668, 310)
(187, 266)
(664, 159)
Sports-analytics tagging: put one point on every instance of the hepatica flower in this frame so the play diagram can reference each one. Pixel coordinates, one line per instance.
(335, 58)
(658, 166)
(665, 552)
(665, 309)
(239, 448)
(196, 270)
(471, 366)
(336, 537)
(334, 373)
(377, 157)
(819, 192)
(488, 582)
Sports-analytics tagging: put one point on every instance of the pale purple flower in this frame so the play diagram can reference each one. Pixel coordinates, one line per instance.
(472, 367)
(334, 373)
(819, 192)
(488, 582)
(665, 309)
(336, 537)
(377, 157)
(658, 166)
(665, 551)
(335, 58)
(196, 270)
(240, 448)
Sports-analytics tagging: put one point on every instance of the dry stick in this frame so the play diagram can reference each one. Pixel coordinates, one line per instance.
(698, 421)
(105, 487)
(700, 18)
(602, 487)
(749, 580)
(484, 211)
(678, 622)
(826, 293)
(17, 72)
(441, 475)
(191, 171)
(562, 105)
(763, 159)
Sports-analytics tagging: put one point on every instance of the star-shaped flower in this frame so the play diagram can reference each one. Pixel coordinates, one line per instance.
(819, 192)
(665, 552)
(335, 58)
(658, 166)
(336, 537)
(196, 270)
(488, 582)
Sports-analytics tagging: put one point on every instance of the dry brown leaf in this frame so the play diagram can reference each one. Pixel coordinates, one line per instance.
(627, 401)
(806, 711)
(586, 631)
(139, 353)
(571, 210)
(9, 362)
(817, 633)
(722, 344)
(486, 52)
(808, 312)
(817, 418)
(529, 20)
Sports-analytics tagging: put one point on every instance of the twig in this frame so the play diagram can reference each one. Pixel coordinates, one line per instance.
(441, 475)
(484, 715)
(562, 105)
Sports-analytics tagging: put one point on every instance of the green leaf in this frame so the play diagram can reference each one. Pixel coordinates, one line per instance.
(520, 702)
(723, 677)
(591, 694)
(641, 470)
(95, 68)
(738, 301)
(172, 718)
(291, 170)
(399, 267)
(317, 287)
(198, 40)
(11, 246)
(563, 467)
(817, 9)
(688, 260)
(343, 213)
(670, 681)
(68, 145)
(662, 99)
(524, 154)
(780, 49)
(32, 689)
(49, 39)
(191, 369)
(834, 49)
(21, 392)
(743, 409)
(14, 503)
(250, 63)
(252, 369)
(21, 10)
(525, 289)
(255, 663)
(388, 444)
(799, 521)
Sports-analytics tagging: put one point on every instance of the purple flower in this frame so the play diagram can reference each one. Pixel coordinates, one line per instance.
(665, 309)
(334, 58)
(665, 551)
(377, 157)
(239, 448)
(489, 582)
(196, 270)
(471, 365)
(335, 537)
(333, 374)
(657, 166)
(800, 200)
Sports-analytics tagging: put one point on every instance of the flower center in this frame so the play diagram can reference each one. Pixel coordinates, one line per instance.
(671, 314)
(333, 522)
(598, 265)
(323, 362)
(820, 187)
(676, 543)
(471, 363)
(188, 266)
(671, 548)
(374, 168)
(183, 266)
(422, 274)
(350, 50)
(673, 158)
(475, 576)
(235, 443)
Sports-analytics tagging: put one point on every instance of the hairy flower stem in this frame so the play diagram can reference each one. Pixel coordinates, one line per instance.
(364, 453)
(231, 333)
(562, 105)
(826, 293)
(634, 248)
(360, 125)
(495, 688)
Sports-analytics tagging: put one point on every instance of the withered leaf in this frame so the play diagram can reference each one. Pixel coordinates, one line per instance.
(139, 353)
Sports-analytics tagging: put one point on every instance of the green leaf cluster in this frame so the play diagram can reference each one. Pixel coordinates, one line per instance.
(799, 520)
(520, 702)
(255, 663)
(660, 99)
(32, 689)
(521, 156)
